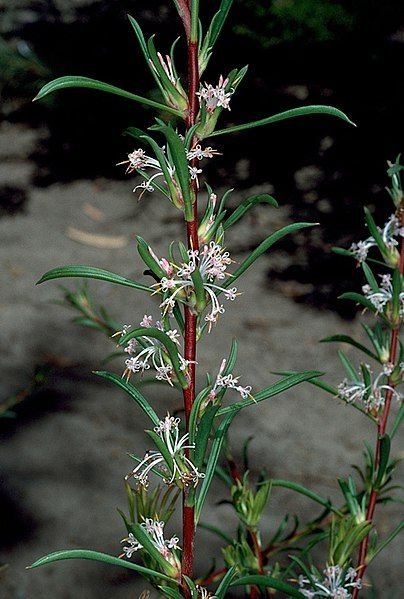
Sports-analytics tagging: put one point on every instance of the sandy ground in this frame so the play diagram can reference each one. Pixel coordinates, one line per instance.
(62, 468)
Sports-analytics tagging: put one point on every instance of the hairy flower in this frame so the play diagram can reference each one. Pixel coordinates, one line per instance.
(180, 470)
(139, 161)
(389, 233)
(155, 531)
(152, 353)
(216, 97)
(336, 583)
(211, 261)
(371, 396)
(228, 381)
(381, 298)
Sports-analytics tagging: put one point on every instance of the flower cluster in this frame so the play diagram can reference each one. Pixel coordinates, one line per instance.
(371, 396)
(384, 295)
(228, 381)
(180, 469)
(139, 161)
(216, 97)
(336, 583)
(150, 352)
(155, 531)
(212, 261)
(389, 233)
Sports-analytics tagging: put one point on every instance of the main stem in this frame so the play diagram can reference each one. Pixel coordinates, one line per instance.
(381, 431)
(188, 513)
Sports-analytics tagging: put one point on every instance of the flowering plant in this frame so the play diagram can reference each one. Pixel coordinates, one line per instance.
(194, 281)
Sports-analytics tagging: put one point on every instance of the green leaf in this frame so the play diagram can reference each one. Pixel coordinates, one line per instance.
(287, 484)
(169, 592)
(397, 421)
(204, 431)
(263, 247)
(370, 277)
(350, 370)
(262, 198)
(218, 21)
(132, 392)
(225, 583)
(144, 253)
(143, 47)
(275, 389)
(193, 418)
(371, 556)
(99, 557)
(385, 445)
(212, 461)
(161, 446)
(179, 157)
(350, 341)
(288, 114)
(85, 82)
(363, 301)
(270, 582)
(89, 272)
(374, 231)
(166, 341)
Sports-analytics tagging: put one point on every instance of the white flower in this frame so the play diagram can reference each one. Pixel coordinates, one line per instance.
(139, 161)
(152, 353)
(200, 154)
(371, 396)
(384, 295)
(212, 261)
(229, 382)
(216, 97)
(390, 231)
(155, 531)
(146, 321)
(336, 583)
(182, 470)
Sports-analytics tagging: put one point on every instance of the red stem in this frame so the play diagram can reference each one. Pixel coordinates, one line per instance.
(185, 14)
(188, 515)
(381, 430)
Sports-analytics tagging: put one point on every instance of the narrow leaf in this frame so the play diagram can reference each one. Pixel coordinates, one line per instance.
(85, 82)
(288, 114)
(89, 272)
(263, 247)
(287, 484)
(384, 543)
(132, 392)
(212, 461)
(99, 557)
(225, 583)
(385, 444)
(262, 198)
(350, 341)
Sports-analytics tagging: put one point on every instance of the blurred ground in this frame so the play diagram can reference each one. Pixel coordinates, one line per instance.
(64, 457)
